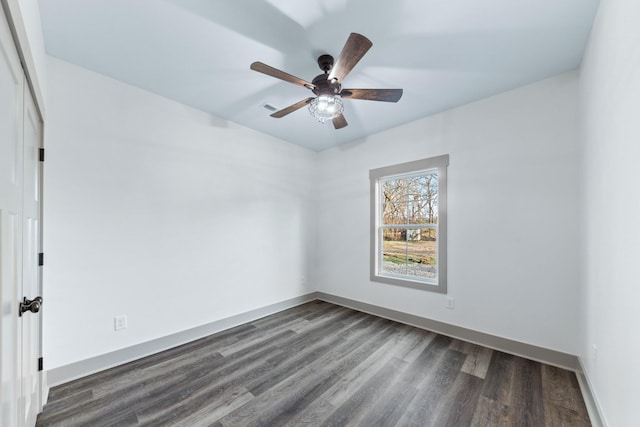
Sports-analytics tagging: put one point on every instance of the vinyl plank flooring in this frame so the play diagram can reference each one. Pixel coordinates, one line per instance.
(490, 412)
(324, 371)
(352, 380)
(366, 399)
(478, 359)
(526, 399)
(427, 405)
(322, 364)
(460, 404)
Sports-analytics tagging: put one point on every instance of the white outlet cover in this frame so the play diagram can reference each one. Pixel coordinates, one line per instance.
(119, 323)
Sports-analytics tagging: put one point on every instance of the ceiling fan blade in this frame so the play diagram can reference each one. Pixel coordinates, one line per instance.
(386, 95)
(291, 108)
(352, 52)
(274, 72)
(339, 122)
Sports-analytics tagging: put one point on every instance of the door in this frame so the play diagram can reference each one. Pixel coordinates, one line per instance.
(31, 323)
(20, 240)
(11, 163)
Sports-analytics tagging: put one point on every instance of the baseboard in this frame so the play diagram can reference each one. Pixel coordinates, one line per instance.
(590, 401)
(86, 367)
(540, 354)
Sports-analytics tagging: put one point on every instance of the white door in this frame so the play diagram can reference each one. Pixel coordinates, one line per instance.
(19, 238)
(31, 324)
(11, 160)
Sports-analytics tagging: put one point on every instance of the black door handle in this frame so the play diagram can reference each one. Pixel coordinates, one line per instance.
(30, 305)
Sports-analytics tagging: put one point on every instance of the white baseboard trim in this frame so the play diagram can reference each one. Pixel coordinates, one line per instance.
(539, 354)
(95, 364)
(590, 400)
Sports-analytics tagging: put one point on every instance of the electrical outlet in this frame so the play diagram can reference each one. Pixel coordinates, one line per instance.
(120, 322)
(451, 303)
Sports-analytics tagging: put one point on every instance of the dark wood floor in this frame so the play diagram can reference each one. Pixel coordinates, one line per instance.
(325, 365)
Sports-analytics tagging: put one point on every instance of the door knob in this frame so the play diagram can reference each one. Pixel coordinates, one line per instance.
(30, 305)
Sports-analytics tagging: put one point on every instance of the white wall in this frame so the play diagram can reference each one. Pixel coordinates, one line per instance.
(164, 213)
(513, 205)
(610, 101)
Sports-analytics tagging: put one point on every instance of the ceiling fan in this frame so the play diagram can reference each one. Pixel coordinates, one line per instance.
(327, 104)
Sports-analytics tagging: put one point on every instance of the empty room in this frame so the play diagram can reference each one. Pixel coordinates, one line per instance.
(321, 213)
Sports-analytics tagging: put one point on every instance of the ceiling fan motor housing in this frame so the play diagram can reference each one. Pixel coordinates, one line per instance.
(324, 86)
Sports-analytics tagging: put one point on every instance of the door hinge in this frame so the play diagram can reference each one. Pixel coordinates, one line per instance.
(40, 259)
(41, 154)
(40, 364)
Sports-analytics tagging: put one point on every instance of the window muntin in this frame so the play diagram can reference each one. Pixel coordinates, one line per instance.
(409, 224)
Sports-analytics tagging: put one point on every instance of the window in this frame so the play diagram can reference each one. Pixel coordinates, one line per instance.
(409, 224)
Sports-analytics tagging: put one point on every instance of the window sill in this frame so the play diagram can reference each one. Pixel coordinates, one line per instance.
(408, 283)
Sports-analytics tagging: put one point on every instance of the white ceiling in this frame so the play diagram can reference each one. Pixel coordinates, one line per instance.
(443, 53)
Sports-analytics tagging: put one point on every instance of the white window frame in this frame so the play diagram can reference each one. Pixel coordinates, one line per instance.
(431, 165)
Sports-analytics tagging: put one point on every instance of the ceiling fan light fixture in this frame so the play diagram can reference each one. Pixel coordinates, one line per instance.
(327, 87)
(326, 107)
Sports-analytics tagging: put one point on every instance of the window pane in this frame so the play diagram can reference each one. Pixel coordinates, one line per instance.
(410, 251)
(422, 253)
(412, 200)
(394, 251)
(394, 208)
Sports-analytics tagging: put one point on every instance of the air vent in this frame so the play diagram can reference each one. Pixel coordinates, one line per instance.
(269, 107)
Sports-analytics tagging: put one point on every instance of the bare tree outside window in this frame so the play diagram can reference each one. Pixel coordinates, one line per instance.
(411, 204)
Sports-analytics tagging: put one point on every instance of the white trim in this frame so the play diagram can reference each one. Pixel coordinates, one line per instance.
(590, 400)
(21, 40)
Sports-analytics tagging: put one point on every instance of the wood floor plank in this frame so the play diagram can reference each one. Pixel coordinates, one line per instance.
(422, 369)
(201, 408)
(527, 396)
(477, 361)
(556, 415)
(315, 377)
(263, 335)
(364, 400)
(398, 346)
(322, 364)
(282, 371)
(499, 378)
(360, 374)
(459, 406)
(556, 391)
(489, 412)
(198, 381)
(425, 408)
(212, 384)
(344, 388)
